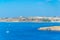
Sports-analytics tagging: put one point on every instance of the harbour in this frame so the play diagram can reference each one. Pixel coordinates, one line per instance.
(27, 31)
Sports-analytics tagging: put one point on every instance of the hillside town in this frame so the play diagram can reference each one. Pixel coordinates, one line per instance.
(30, 19)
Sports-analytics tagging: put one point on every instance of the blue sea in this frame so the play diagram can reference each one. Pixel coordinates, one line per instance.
(27, 31)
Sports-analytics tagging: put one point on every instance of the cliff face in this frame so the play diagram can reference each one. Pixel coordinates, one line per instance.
(53, 28)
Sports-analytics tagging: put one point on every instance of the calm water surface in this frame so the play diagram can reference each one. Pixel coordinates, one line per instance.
(27, 31)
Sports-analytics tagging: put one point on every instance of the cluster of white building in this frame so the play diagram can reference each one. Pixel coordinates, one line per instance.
(31, 19)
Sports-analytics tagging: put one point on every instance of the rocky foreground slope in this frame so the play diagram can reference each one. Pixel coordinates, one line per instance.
(53, 28)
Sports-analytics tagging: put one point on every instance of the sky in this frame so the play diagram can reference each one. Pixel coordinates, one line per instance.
(15, 8)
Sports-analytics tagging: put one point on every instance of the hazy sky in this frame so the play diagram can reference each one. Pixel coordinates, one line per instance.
(11, 8)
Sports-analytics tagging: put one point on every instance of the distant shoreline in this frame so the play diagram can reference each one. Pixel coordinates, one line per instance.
(30, 19)
(32, 22)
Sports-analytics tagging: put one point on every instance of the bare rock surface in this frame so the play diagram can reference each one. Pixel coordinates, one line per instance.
(53, 28)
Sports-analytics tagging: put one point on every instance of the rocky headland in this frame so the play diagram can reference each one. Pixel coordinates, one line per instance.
(52, 28)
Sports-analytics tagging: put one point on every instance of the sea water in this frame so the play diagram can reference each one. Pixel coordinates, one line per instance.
(27, 31)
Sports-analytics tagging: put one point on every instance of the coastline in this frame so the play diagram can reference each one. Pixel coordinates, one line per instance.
(30, 19)
(29, 22)
(52, 28)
